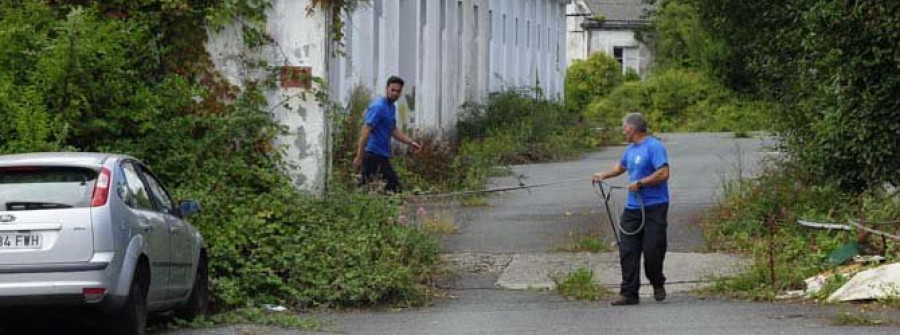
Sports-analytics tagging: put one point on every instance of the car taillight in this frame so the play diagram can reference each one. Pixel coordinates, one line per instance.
(93, 294)
(101, 189)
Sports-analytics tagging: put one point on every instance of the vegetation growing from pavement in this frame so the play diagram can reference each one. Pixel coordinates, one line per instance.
(579, 285)
(759, 219)
(133, 77)
(260, 316)
(585, 243)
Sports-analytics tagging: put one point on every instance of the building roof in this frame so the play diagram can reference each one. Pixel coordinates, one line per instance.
(617, 13)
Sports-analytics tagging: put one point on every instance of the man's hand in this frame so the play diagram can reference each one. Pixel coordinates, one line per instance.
(598, 177)
(357, 163)
(635, 186)
(415, 146)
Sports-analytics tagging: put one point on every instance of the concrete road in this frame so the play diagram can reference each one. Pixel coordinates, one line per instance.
(520, 231)
(540, 220)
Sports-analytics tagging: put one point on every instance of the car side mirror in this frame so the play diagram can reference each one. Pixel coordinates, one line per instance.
(189, 207)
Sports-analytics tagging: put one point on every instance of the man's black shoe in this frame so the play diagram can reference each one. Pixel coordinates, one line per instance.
(659, 293)
(623, 301)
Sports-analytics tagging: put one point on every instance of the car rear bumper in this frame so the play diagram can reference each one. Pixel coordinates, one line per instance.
(60, 284)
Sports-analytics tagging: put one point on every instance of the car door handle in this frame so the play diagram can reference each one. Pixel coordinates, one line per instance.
(145, 226)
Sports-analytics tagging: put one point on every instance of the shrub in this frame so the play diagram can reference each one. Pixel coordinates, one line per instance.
(590, 79)
(679, 100)
(534, 125)
(74, 77)
(286, 248)
(347, 124)
(579, 285)
(740, 225)
(836, 103)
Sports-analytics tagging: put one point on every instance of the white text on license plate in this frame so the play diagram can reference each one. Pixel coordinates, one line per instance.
(20, 241)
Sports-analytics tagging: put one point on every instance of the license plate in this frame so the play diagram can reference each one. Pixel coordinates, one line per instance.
(20, 241)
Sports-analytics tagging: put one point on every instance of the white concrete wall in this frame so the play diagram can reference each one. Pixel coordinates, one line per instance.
(453, 51)
(447, 51)
(582, 43)
(297, 42)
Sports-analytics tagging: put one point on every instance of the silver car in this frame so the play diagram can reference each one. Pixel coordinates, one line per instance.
(99, 231)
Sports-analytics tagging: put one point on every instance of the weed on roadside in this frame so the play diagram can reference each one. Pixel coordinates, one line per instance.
(758, 219)
(257, 316)
(440, 225)
(585, 243)
(474, 201)
(579, 285)
(851, 319)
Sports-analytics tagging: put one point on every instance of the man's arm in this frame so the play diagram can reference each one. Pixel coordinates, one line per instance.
(616, 170)
(400, 136)
(657, 177)
(361, 146)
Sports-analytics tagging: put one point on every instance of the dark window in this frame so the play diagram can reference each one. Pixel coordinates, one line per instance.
(137, 195)
(617, 53)
(29, 188)
(159, 192)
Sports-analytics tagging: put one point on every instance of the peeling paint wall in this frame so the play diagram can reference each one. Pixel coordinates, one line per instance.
(298, 40)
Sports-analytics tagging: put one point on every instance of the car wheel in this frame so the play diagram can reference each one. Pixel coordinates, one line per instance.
(132, 318)
(198, 303)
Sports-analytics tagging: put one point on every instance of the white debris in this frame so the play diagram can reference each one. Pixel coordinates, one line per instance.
(815, 284)
(790, 295)
(274, 308)
(878, 283)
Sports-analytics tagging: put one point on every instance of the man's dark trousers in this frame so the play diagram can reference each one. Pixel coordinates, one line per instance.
(375, 167)
(651, 241)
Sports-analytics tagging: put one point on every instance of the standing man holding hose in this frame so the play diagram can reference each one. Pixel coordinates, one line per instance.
(644, 221)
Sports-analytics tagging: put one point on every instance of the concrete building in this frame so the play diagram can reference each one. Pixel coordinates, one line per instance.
(447, 51)
(609, 26)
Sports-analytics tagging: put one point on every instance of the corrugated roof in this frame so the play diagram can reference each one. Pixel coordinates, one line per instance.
(619, 10)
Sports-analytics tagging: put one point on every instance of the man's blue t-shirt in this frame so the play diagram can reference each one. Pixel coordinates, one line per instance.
(381, 116)
(641, 160)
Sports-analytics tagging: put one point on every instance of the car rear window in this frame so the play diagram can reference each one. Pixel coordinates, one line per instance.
(31, 188)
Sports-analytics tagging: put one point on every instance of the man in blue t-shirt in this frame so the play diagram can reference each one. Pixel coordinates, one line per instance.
(374, 150)
(643, 222)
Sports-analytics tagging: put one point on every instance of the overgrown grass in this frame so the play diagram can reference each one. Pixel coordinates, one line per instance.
(260, 316)
(852, 319)
(579, 285)
(587, 243)
(678, 100)
(758, 219)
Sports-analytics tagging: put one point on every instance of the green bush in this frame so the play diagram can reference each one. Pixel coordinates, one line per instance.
(286, 248)
(682, 41)
(836, 102)
(590, 79)
(740, 225)
(347, 124)
(129, 77)
(579, 285)
(679, 100)
(538, 127)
